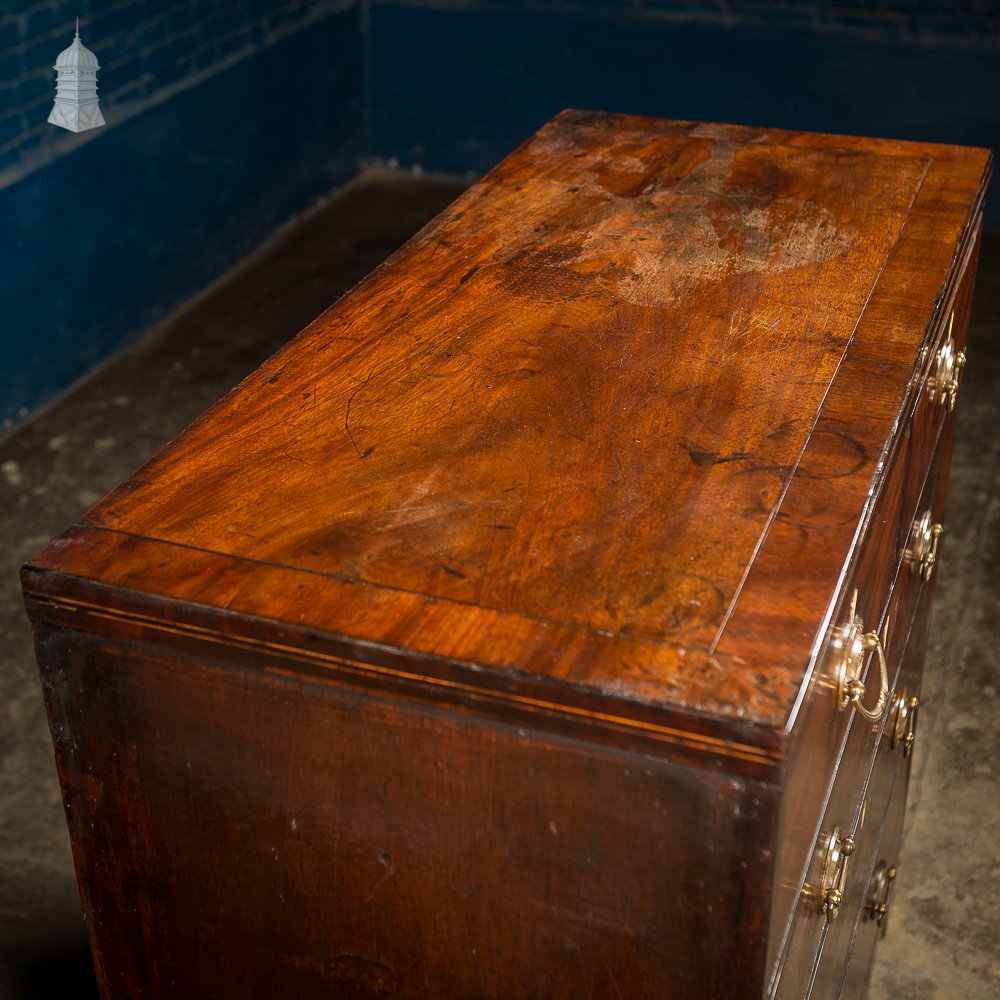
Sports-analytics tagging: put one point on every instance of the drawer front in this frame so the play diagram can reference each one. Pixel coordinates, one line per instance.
(882, 809)
(857, 808)
(901, 727)
(850, 813)
(945, 353)
(867, 770)
(831, 770)
(836, 770)
(845, 964)
(882, 885)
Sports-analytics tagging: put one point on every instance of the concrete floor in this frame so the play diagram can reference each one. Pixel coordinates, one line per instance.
(942, 939)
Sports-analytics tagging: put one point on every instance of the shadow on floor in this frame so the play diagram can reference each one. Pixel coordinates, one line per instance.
(44, 974)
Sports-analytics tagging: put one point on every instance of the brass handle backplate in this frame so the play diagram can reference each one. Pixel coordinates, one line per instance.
(834, 873)
(879, 894)
(922, 553)
(950, 362)
(904, 722)
(850, 645)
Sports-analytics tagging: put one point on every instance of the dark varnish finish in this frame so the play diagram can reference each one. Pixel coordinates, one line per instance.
(476, 644)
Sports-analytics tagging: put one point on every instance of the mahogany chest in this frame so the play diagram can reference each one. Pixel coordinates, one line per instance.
(547, 619)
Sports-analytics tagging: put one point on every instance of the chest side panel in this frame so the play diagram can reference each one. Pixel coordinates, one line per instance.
(247, 833)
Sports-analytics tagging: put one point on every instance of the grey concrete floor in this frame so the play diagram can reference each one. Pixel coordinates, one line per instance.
(942, 939)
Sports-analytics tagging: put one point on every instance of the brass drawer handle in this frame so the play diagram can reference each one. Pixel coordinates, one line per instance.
(834, 878)
(950, 363)
(922, 553)
(879, 895)
(904, 722)
(851, 643)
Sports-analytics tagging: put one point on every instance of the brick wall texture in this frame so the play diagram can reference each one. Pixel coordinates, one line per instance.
(931, 23)
(146, 48)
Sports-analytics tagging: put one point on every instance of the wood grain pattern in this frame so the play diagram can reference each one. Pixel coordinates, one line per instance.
(608, 396)
(281, 837)
(477, 644)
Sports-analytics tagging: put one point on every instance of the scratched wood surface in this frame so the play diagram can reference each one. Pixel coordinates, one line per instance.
(601, 434)
(473, 645)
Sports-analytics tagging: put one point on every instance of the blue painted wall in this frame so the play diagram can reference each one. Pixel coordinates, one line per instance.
(455, 84)
(224, 120)
(227, 117)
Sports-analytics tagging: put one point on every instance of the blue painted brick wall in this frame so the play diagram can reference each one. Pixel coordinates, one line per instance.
(455, 84)
(146, 51)
(224, 119)
(928, 23)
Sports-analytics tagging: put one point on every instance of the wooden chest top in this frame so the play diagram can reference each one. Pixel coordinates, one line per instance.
(598, 443)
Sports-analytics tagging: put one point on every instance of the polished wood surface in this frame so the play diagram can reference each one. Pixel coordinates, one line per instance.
(594, 433)
(478, 643)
